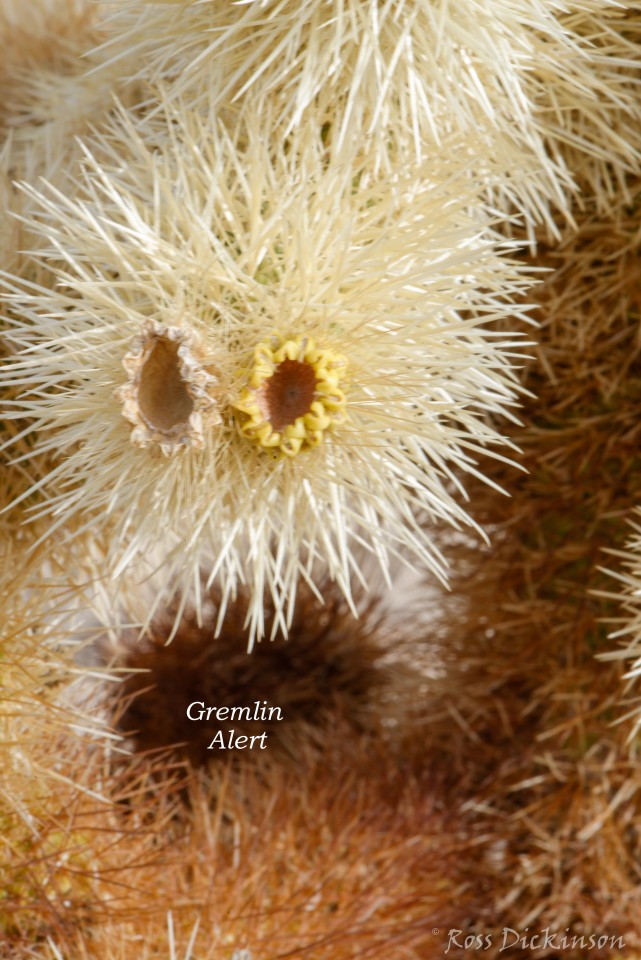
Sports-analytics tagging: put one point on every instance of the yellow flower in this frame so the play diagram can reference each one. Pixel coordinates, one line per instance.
(294, 395)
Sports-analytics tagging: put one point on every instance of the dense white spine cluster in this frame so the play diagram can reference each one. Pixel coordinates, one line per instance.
(548, 90)
(322, 178)
(211, 239)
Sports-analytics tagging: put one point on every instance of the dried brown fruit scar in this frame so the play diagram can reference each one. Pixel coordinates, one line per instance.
(168, 394)
(294, 395)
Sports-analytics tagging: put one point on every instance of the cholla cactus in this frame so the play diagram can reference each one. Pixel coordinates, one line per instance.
(545, 88)
(258, 339)
(278, 361)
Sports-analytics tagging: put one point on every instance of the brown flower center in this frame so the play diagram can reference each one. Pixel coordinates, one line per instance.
(288, 393)
(293, 395)
(163, 397)
(169, 394)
